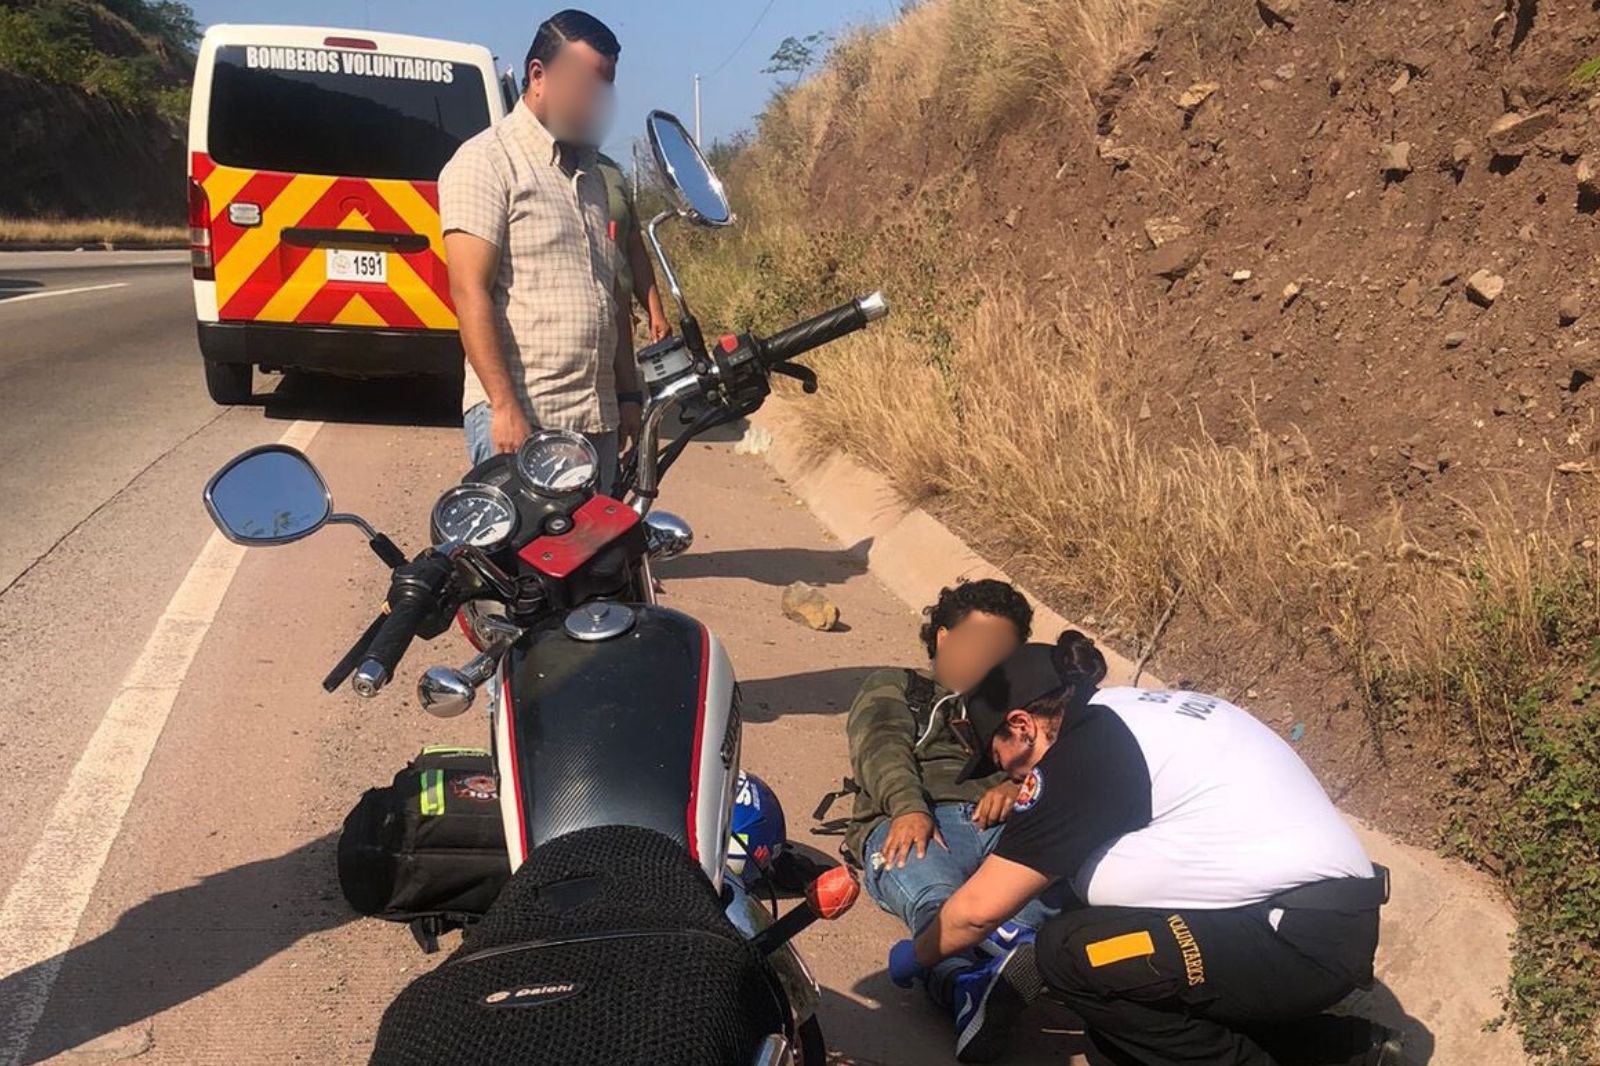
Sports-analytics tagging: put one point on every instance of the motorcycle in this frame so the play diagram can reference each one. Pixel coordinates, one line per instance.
(615, 722)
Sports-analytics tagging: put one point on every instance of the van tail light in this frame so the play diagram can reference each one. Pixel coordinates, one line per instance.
(200, 233)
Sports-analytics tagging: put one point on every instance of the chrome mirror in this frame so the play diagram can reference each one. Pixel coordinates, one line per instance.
(666, 536)
(445, 692)
(699, 191)
(268, 495)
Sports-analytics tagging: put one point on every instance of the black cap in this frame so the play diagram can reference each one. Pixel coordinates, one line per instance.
(1028, 675)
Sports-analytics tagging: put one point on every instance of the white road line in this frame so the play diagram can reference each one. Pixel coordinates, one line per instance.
(40, 916)
(61, 292)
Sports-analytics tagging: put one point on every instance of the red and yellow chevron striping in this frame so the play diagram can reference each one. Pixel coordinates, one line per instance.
(261, 277)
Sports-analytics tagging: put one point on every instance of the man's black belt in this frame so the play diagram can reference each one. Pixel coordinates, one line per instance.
(1338, 893)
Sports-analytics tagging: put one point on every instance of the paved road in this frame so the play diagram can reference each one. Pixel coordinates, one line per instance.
(171, 828)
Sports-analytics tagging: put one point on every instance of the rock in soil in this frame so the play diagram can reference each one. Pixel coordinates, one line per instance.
(1161, 231)
(1174, 259)
(1197, 94)
(1455, 339)
(1512, 135)
(1483, 288)
(1410, 294)
(809, 606)
(1397, 159)
(1274, 12)
(1588, 175)
(1570, 309)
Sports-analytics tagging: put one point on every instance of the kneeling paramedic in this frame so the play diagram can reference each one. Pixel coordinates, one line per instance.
(1221, 902)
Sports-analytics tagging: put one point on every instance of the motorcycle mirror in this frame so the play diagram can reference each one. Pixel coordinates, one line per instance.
(832, 894)
(666, 535)
(268, 495)
(698, 189)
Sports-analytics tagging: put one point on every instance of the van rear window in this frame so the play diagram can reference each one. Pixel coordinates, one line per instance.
(342, 112)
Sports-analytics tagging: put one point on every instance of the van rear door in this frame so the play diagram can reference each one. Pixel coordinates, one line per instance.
(320, 172)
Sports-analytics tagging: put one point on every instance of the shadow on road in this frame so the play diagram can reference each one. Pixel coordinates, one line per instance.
(772, 566)
(405, 401)
(819, 692)
(179, 945)
(10, 287)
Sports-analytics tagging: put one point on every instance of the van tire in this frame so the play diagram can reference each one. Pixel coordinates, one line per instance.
(229, 384)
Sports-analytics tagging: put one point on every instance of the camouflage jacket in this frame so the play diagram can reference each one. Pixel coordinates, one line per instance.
(902, 754)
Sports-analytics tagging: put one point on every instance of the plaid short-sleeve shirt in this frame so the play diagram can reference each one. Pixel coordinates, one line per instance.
(544, 206)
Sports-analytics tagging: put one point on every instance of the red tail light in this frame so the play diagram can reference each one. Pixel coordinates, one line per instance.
(350, 42)
(200, 233)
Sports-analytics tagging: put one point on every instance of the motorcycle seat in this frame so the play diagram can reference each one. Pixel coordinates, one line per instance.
(609, 946)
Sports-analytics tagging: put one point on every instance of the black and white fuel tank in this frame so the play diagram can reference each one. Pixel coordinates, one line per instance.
(619, 714)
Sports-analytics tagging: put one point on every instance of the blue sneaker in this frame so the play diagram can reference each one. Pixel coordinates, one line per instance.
(1010, 935)
(990, 998)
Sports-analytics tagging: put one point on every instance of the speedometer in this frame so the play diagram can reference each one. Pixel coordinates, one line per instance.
(479, 515)
(557, 462)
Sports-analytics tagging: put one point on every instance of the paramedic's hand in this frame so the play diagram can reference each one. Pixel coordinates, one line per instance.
(995, 806)
(659, 326)
(903, 966)
(508, 427)
(629, 417)
(908, 832)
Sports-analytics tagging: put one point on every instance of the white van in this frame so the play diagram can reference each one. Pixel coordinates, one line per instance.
(314, 156)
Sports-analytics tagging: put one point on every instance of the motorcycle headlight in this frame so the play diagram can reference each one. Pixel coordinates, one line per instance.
(558, 462)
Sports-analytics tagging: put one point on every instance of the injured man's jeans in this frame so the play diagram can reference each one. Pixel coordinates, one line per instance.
(915, 892)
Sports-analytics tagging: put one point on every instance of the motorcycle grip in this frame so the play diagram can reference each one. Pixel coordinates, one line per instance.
(413, 598)
(828, 326)
(354, 657)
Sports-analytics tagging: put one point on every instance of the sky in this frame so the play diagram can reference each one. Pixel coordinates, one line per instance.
(664, 43)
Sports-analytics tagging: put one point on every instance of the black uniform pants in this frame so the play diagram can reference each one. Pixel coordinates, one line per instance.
(1210, 988)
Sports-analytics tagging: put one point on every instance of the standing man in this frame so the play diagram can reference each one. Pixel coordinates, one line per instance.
(532, 263)
(636, 277)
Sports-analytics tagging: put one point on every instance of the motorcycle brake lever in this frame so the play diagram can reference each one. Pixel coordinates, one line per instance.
(803, 374)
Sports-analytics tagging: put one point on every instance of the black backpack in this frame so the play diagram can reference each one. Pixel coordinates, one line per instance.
(428, 849)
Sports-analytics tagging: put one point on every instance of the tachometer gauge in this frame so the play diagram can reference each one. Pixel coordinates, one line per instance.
(479, 515)
(558, 462)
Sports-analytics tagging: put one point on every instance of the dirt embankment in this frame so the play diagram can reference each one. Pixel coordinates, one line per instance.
(1298, 212)
(68, 154)
(1266, 332)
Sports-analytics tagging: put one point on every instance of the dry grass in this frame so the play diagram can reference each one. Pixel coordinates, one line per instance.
(87, 231)
(1005, 55)
(1018, 426)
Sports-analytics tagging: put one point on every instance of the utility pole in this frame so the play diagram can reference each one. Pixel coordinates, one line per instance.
(697, 109)
(636, 167)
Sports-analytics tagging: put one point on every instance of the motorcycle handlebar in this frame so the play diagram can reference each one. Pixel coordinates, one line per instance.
(413, 599)
(828, 326)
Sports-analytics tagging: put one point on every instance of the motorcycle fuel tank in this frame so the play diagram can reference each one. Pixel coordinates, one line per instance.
(638, 729)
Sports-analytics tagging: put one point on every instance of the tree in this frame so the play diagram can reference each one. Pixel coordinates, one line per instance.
(796, 55)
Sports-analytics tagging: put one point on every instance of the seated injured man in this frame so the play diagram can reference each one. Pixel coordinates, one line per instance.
(919, 829)
(1219, 902)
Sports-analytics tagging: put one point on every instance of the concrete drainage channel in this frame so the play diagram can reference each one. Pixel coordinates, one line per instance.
(1445, 954)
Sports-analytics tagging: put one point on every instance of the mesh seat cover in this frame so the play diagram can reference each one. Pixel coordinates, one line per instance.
(669, 980)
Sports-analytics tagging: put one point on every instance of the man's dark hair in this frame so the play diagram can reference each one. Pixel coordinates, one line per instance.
(987, 596)
(565, 26)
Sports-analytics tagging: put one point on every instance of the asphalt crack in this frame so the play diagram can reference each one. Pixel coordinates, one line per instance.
(109, 500)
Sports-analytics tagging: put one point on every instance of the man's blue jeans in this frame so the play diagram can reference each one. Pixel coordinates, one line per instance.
(914, 893)
(475, 426)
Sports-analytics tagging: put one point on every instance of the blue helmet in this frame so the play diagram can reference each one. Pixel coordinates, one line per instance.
(757, 834)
